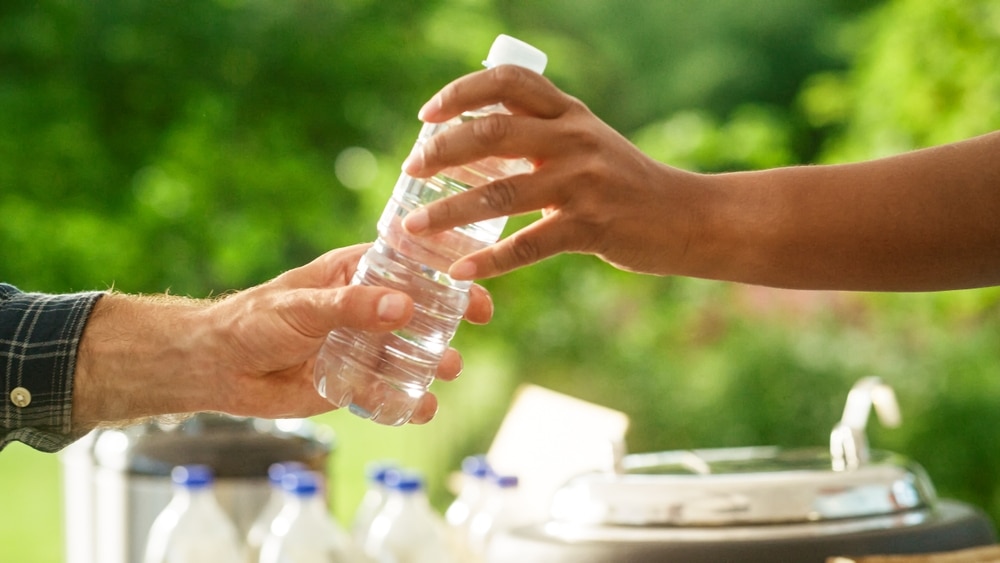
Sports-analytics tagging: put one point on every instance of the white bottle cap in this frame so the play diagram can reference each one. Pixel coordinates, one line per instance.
(507, 50)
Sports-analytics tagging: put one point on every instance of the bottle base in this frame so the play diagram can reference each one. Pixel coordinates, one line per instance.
(365, 393)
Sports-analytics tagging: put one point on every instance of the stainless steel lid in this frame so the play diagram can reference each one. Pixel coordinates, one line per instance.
(235, 447)
(739, 486)
(758, 485)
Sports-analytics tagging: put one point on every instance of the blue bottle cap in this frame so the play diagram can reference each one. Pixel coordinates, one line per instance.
(505, 481)
(377, 472)
(278, 470)
(192, 476)
(476, 466)
(301, 483)
(404, 481)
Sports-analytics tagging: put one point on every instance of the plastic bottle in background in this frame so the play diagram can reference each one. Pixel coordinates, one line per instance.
(498, 512)
(407, 529)
(304, 531)
(382, 376)
(472, 489)
(193, 528)
(372, 501)
(261, 526)
(475, 471)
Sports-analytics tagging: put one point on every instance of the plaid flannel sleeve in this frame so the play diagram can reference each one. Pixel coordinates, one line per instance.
(39, 338)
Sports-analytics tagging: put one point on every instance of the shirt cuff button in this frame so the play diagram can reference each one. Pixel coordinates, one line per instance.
(20, 397)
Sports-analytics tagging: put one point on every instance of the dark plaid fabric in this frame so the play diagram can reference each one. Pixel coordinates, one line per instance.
(39, 337)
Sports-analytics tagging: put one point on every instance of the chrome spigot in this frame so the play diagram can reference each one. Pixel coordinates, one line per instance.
(848, 442)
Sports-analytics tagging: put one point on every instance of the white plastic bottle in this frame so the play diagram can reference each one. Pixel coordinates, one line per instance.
(407, 529)
(304, 531)
(193, 528)
(372, 501)
(472, 493)
(475, 471)
(261, 526)
(499, 512)
(383, 376)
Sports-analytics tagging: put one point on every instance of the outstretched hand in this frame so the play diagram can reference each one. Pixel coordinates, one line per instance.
(598, 193)
(281, 325)
(248, 354)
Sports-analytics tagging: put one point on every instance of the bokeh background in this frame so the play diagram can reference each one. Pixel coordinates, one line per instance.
(199, 146)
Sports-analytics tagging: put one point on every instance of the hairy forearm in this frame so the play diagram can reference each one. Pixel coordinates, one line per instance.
(138, 358)
(925, 220)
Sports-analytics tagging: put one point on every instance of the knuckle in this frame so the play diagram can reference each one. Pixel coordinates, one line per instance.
(435, 146)
(593, 173)
(585, 139)
(445, 209)
(575, 105)
(500, 195)
(510, 77)
(522, 251)
(449, 94)
(586, 204)
(490, 130)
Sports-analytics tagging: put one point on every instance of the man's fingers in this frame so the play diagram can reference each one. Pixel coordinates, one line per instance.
(480, 309)
(426, 409)
(315, 312)
(332, 269)
(451, 365)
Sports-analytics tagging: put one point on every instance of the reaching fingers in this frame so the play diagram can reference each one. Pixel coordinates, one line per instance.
(538, 241)
(522, 91)
(492, 135)
(507, 196)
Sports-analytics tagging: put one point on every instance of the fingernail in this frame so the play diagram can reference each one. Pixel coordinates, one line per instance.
(391, 307)
(417, 221)
(464, 270)
(429, 109)
(414, 162)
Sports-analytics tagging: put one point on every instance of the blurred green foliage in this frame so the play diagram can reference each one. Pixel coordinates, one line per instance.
(197, 146)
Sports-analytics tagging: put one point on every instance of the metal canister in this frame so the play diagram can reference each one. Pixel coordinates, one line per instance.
(116, 481)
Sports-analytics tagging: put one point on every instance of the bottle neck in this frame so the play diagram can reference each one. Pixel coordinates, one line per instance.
(474, 488)
(197, 494)
(197, 500)
(310, 506)
(411, 501)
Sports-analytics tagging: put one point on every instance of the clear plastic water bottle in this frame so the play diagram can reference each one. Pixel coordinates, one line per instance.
(383, 376)
(193, 528)
(261, 526)
(407, 529)
(304, 531)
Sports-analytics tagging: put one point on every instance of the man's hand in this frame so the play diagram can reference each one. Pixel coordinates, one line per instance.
(250, 353)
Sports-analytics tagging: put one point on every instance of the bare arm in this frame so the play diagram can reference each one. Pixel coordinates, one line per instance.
(926, 220)
(250, 353)
(921, 221)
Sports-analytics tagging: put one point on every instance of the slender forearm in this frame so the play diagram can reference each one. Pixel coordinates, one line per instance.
(925, 220)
